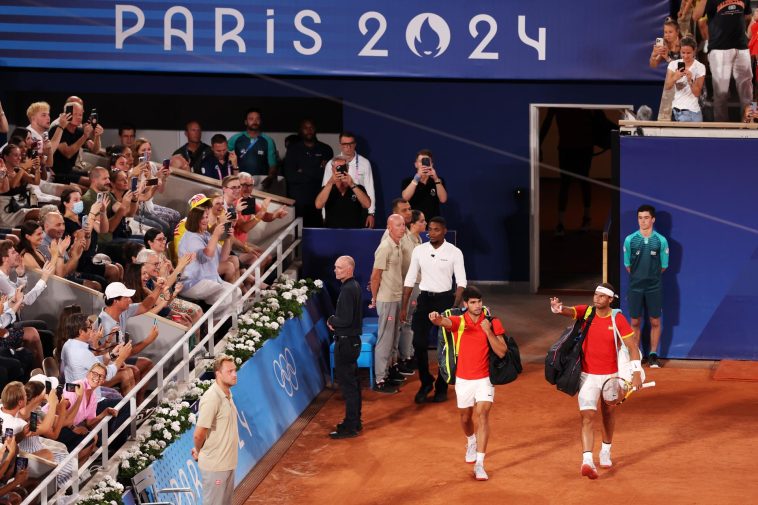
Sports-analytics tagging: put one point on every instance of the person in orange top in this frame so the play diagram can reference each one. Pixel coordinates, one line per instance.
(599, 364)
(473, 389)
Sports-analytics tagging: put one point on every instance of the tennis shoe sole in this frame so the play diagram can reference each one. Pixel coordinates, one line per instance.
(589, 471)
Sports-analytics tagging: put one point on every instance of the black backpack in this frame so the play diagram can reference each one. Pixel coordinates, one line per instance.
(506, 369)
(563, 363)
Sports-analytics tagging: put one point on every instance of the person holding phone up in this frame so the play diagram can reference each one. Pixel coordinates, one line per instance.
(425, 191)
(687, 76)
(345, 202)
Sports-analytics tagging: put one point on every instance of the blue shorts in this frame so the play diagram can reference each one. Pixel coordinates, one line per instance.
(650, 298)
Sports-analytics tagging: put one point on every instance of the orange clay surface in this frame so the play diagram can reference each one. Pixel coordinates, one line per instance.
(690, 440)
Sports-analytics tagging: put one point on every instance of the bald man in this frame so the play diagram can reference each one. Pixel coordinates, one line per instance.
(386, 295)
(347, 324)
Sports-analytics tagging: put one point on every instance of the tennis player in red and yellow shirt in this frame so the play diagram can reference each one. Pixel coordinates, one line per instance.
(599, 364)
(473, 388)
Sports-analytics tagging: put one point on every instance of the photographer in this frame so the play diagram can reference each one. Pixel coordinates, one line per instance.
(345, 203)
(425, 191)
(74, 136)
(687, 76)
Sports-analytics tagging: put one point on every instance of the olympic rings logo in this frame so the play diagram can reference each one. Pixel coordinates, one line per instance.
(285, 372)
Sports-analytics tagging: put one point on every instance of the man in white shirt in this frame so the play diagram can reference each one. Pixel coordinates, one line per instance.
(359, 169)
(438, 261)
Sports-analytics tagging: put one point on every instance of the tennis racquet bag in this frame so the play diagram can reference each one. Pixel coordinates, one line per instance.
(506, 369)
(563, 363)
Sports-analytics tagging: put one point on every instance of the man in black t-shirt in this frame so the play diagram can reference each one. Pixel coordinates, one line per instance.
(425, 191)
(195, 150)
(304, 171)
(345, 202)
(74, 136)
(727, 51)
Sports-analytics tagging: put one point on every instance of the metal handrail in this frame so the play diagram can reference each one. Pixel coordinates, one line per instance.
(40, 491)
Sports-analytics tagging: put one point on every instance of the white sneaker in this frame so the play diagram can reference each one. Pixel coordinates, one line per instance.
(479, 473)
(605, 459)
(471, 453)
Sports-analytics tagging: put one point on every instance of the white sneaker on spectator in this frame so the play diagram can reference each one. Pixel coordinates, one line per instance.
(479, 473)
(470, 452)
(605, 459)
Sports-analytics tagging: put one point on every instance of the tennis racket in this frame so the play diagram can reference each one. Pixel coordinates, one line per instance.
(616, 390)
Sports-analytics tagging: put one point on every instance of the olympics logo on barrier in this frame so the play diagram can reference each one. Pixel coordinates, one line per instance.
(285, 372)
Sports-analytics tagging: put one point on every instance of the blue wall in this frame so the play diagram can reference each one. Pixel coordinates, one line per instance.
(710, 286)
(492, 226)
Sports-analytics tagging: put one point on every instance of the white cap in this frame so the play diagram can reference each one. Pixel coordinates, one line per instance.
(116, 289)
(43, 378)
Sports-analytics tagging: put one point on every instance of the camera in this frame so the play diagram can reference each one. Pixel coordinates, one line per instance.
(135, 181)
(48, 387)
(659, 41)
(232, 213)
(426, 161)
(59, 391)
(342, 169)
(70, 388)
(69, 110)
(8, 433)
(32, 153)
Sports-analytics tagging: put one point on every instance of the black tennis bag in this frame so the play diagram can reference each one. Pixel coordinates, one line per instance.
(506, 369)
(563, 363)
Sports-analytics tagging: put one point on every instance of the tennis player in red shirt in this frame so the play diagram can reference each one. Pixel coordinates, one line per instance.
(599, 364)
(473, 389)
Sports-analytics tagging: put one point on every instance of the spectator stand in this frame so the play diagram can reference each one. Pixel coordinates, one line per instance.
(182, 373)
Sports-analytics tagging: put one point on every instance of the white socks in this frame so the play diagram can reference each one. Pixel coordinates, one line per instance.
(587, 458)
(479, 458)
(471, 439)
(605, 448)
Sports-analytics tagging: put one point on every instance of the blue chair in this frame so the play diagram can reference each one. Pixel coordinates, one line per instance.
(365, 358)
(371, 325)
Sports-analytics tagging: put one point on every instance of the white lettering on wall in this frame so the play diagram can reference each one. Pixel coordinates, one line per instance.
(270, 31)
(538, 44)
(232, 35)
(169, 31)
(299, 47)
(122, 35)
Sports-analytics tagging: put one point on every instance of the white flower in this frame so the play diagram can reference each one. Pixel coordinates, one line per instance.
(287, 295)
(274, 326)
(238, 361)
(192, 418)
(318, 283)
(166, 435)
(125, 463)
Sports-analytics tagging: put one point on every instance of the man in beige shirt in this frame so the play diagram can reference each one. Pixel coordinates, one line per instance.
(386, 295)
(216, 437)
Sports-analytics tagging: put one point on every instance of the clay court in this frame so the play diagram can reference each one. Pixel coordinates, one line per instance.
(690, 440)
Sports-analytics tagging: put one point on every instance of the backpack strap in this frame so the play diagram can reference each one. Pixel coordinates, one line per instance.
(616, 333)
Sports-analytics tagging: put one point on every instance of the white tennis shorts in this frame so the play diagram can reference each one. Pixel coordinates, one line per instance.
(468, 392)
(590, 388)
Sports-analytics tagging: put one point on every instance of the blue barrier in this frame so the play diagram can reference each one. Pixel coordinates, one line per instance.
(273, 388)
(709, 289)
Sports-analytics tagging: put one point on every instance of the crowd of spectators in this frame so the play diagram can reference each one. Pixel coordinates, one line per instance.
(98, 226)
(708, 38)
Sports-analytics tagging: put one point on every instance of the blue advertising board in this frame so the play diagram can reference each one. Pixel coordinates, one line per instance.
(273, 388)
(704, 191)
(478, 39)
